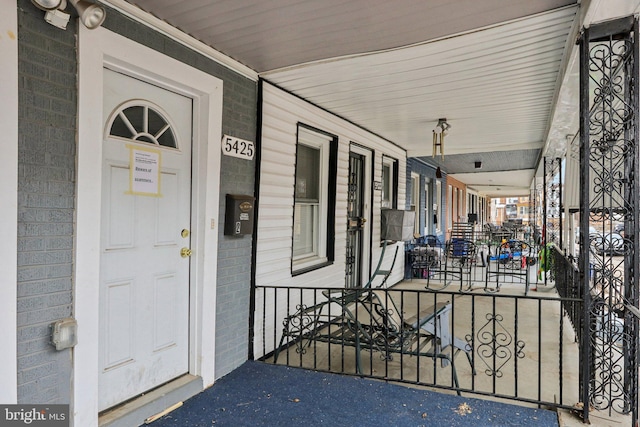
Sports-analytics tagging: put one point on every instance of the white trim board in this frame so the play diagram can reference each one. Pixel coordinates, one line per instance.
(9, 205)
(99, 48)
(165, 28)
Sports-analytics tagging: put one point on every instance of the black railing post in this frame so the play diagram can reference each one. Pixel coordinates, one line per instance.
(609, 127)
(585, 372)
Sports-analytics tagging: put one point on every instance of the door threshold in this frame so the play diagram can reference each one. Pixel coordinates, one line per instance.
(135, 411)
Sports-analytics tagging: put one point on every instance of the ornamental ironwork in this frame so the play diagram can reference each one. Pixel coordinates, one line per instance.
(609, 198)
(495, 345)
(352, 276)
(553, 201)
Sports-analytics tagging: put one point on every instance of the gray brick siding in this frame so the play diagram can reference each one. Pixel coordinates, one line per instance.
(46, 167)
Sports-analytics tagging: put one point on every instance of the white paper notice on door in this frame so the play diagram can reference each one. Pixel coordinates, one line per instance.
(144, 171)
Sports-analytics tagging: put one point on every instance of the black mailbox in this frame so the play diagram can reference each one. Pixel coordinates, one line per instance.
(238, 215)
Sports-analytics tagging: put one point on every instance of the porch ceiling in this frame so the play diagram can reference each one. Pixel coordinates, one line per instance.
(492, 68)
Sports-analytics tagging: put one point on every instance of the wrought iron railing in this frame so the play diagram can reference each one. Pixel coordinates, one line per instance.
(515, 347)
(568, 285)
(444, 268)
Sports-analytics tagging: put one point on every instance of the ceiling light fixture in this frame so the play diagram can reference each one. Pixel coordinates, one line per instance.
(439, 133)
(442, 126)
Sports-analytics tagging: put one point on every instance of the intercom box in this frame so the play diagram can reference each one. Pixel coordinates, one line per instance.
(239, 215)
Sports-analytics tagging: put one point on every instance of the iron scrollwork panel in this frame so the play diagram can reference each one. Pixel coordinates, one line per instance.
(354, 198)
(609, 134)
(553, 195)
(495, 345)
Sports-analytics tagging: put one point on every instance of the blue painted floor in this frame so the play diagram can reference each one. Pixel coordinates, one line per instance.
(260, 394)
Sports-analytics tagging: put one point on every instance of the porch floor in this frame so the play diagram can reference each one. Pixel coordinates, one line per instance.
(260, 394)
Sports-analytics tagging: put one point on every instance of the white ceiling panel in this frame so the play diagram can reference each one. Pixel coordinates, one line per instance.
(266, 35)
(493, 68)
(495, 86)
(499, 184)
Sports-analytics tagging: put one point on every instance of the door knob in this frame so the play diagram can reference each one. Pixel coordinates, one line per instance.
(185, 252)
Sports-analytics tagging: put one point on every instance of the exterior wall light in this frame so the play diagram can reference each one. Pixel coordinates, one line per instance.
(54, 12)
(90, 14)
(49, 4)
(64, 333)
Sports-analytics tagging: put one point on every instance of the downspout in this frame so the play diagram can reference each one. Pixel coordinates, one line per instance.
(254, 235)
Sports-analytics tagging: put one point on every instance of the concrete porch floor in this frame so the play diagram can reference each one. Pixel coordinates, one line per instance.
(548, 348)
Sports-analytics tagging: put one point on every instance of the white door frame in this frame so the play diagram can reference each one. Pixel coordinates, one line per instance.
(99, 48)
(9, 205)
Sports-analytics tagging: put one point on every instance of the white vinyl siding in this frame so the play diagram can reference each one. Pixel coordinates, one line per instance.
(281, 115)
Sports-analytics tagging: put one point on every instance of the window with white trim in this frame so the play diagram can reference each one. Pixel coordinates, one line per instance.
(314, 200)
(389, 183)
(415, 201)
(437, 207)
(451, 197)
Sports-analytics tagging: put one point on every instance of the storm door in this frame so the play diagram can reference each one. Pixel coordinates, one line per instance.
(357, 249)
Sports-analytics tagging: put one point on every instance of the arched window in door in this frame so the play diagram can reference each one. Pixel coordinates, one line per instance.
(141, 121)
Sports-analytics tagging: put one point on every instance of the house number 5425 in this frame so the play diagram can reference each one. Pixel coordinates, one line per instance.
(236, 147)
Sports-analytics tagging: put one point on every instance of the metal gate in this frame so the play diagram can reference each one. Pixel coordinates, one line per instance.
(609, 194)
(355, 221)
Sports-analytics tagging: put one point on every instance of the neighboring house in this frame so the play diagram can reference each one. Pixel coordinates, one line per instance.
(511, 208)
(456, 203)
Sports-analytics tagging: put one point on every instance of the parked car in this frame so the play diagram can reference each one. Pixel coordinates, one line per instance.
(592, 230)
(607, 244)
(619, 228)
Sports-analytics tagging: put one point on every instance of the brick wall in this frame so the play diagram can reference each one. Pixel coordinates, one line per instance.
(46, 168)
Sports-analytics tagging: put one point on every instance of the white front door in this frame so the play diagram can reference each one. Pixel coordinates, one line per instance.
(146, 211)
